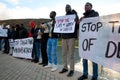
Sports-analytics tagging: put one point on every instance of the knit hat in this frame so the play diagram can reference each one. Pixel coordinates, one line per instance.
(88, 3)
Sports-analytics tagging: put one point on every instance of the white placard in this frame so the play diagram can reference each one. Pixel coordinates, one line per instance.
(23, 48)
(65, 24)
(99, 40)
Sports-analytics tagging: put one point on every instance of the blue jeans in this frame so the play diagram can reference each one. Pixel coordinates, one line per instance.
(85, 68)
(51, 49)
(37, 50)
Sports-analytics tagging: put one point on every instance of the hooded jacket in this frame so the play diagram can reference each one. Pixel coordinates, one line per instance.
(90, 13)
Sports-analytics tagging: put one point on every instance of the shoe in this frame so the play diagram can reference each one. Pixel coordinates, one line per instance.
(40, 63)
(93, 78)
(48, 66)
(44, 65)
(32, 60)
(54, 68)
(70, 74)
(63, 70)
(36, 61)
(82, 77)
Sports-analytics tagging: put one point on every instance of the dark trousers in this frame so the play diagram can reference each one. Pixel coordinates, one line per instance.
(44, 51)
(6, 46)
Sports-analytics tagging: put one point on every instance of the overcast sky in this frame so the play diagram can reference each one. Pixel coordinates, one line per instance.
(21, 9)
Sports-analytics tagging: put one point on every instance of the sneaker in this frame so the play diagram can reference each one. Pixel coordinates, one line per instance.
(82, 77)
(48, 66)
(54, 68)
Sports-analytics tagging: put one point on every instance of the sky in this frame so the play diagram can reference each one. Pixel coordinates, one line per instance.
(22, 9)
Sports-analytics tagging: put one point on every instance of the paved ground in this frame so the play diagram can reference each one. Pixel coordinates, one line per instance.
(21, 69)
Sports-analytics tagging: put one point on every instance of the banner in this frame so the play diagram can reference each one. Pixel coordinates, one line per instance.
(11, 43)
(99, 40)
(3, 32)
(23, 48)
(65, 24)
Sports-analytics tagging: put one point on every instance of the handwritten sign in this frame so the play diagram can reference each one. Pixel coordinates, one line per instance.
(23, 48)
(99, 40)
(3, 32)
(65, 24)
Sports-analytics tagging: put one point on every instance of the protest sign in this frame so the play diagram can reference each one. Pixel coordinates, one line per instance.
(23, 48)
(99, 40)
(65, 24)
(11, 43)
(3, 32)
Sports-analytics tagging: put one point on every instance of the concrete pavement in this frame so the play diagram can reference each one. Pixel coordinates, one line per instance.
(21, 69)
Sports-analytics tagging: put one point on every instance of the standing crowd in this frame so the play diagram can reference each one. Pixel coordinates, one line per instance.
(45, 42)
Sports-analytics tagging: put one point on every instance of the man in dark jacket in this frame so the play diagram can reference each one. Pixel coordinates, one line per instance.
(89, 13)
(68, 43)
(23, 33)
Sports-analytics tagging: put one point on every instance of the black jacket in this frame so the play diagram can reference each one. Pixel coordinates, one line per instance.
(90, 13)
(53, 35)
(23, 33)
(72, 35)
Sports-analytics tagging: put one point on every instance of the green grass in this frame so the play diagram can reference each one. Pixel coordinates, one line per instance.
(60, 42)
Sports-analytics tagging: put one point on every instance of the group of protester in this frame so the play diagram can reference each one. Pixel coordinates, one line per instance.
(17, 31)
(45, 42)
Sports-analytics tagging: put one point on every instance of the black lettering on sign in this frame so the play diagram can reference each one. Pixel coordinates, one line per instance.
(87, 27)
(113, 24)
(108, 48)
(59, 25)
(87, 43)
(69, 24)
(84, 27)
(115, 51)
(99, 25)
(118, 53)
(119, 29)
(23, 50)
(30, 41)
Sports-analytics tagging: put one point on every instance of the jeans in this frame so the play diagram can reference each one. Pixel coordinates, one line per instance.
(51, 50)
(33, 51)
(37, 50)
(85, 68)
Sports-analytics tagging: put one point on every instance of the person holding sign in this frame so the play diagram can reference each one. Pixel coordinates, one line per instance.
(68, 43)
(89, 13)
(52, 45)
